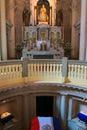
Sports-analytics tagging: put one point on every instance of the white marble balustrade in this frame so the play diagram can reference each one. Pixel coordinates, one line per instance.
(77, 73)
(10, 74)
(15, 72)
(50, 72)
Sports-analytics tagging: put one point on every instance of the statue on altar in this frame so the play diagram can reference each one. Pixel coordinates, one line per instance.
(43, 14)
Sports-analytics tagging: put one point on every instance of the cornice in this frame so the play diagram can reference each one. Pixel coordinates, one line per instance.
(39, 88)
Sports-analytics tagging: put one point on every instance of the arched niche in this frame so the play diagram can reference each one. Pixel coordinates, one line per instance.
(59, 18)
(43, 13)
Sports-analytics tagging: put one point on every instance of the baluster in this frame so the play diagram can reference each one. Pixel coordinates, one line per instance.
(6, 71)
(29, 69)
(72, 71)
(69, 70)
(41, 68)
(37, 69)
(20, 71)
(0, 74)
(3, 73)
(85, 72)
(57, 70)
(47, 69)
(82, 71)
(34, 69)
(16, 71)
(79, 71)
(60, 71)
(13, 71)
(50, 69)
(9, 70)
(75, 71)
(44, 69)
(54, 69)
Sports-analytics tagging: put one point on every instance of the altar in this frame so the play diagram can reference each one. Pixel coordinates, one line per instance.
(43, 32)
(42, 40)
(51, 54)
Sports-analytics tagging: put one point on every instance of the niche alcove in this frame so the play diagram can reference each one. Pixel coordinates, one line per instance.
(44, 105)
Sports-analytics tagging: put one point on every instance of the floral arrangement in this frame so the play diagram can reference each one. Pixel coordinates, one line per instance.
(67, 47)
(18, 47)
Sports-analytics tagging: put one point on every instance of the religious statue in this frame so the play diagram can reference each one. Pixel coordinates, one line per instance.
(43, 14)
(26, 17)
(59, 18)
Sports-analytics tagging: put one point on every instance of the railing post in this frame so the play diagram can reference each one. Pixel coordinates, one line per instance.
(25, 69)
(64, 70)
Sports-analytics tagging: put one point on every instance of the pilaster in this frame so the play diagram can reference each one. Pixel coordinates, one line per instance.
(11, 34)
(74, 38)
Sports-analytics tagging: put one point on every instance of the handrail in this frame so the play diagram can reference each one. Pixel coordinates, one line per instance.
(46, 70)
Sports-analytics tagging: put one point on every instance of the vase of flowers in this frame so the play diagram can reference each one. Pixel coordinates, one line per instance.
(18, 50)
(67, 49)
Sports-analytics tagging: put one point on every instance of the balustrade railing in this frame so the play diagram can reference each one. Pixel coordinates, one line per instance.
(45, 70)
(50, 70)
(77, 72)
(10, 72)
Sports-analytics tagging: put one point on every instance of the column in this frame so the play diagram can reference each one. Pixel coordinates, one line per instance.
(3, 31)
(63, 111)
(26, 112)
(70, 109)
(83, 31)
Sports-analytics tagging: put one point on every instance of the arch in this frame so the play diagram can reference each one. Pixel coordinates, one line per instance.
(40, 2)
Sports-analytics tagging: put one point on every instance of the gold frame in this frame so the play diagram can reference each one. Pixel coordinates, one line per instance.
(36, 16)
